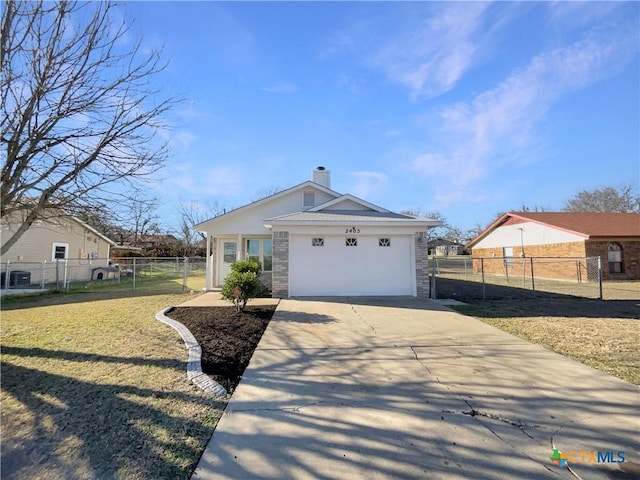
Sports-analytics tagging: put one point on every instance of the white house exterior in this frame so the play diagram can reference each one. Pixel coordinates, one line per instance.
(59, 239)
(313, 241)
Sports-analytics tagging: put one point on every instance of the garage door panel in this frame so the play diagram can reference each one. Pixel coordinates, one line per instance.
(336, 269)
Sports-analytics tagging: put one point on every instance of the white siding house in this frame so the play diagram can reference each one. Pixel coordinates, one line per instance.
(313, 241)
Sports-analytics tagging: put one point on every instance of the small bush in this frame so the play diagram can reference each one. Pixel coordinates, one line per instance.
(242, 284)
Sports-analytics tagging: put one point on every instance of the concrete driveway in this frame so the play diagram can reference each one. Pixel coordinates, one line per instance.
(372, 388)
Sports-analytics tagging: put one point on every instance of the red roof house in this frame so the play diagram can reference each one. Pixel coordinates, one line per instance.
(614, 237)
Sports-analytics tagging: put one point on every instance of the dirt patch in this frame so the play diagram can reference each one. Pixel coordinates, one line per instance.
(228, 339)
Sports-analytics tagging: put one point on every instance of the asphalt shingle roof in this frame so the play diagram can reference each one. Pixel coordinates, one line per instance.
(589, 223)
(342, 215)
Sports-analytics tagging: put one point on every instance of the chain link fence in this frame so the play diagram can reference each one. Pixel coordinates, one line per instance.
(151, 273)
(515, 277)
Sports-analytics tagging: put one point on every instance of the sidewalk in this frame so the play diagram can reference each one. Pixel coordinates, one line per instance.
(405, 388)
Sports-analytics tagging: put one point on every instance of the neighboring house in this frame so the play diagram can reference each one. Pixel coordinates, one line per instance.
(614, 237)
(150, 242)
(56, 239)
(443, 247)
(313, 241)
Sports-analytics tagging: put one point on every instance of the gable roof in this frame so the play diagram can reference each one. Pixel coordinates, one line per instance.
(369, 214)
(301, 186)
(590, 225)
(93, 230)
(345, 199)
(338, 216)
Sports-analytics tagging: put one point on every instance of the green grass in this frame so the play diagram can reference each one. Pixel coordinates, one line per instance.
(602, 334)
(94, 387)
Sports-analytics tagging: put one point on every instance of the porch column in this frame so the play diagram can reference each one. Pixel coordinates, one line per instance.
(239, 249)
(209, 264)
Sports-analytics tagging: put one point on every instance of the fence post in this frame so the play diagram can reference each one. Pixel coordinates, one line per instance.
(57, 274)
(579, 277)
(65, 282)
(44, 272)
(184, 274)
(533, 278)
(484, 290)
(134, 273)
(433, 278)
(600, 276)
(7, 276)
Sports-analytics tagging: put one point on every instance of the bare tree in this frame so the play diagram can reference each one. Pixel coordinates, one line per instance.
(140, 218)
(80, 121)
(191, 214)
(434, 232)
(266, 192)
(608, 199)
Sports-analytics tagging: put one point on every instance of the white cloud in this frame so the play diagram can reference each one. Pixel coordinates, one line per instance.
(281, 87)
(431, 59)
(184, 139)
(495, 126)
(367, 184)
(216, 181)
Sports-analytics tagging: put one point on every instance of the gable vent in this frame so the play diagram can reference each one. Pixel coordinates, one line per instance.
(309, 199)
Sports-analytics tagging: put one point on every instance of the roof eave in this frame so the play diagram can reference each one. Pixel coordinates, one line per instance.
(200, 227)
(270, 223)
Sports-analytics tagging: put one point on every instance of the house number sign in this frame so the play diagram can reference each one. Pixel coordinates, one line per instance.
(352, 230)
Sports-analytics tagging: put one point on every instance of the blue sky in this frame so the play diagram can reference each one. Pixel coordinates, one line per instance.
(468, 109)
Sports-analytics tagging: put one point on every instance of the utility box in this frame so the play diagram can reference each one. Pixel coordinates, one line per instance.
(17, 278)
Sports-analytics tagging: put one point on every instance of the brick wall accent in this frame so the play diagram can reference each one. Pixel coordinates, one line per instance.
(565, 270)
(630, 258)
(266, 279)
(570, 269)
(422, 264)
(280, 272)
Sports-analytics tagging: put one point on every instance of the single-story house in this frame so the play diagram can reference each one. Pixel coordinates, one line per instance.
(314, 241)
(56, 238)
(614, 237)
(443, 247)
(149, 242)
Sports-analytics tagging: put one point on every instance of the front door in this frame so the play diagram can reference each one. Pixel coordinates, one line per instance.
(229, 257)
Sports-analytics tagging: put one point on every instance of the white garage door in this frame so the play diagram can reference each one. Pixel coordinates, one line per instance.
(328, 266)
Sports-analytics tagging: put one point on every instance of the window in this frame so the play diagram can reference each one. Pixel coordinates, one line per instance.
(317, 242)
(351, 242)
(507, 253)
(261, 250)
(59, 251)
(308, 199)
(614, 256)
(229, 252)
(384, 242)
(267, 255)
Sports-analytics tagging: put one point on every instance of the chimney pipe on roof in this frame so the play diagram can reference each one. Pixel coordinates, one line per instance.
(322, 176)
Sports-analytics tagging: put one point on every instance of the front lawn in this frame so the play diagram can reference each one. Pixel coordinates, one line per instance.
(94, 387)
(604, 334)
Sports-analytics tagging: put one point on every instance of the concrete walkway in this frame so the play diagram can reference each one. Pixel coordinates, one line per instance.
(393, 388)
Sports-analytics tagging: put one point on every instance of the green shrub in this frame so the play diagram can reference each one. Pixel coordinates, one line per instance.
(242, 284)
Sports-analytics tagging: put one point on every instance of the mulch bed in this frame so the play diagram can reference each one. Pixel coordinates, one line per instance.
(227, 338)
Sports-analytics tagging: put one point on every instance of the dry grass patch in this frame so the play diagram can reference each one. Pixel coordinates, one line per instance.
(95, 387)
(604, 335)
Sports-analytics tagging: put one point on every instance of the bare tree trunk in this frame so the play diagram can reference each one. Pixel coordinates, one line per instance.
(79, 118)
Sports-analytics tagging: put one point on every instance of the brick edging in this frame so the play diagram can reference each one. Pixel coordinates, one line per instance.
(194, 368)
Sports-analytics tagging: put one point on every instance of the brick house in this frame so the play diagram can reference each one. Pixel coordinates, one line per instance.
(313, 241)
(614, 237)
